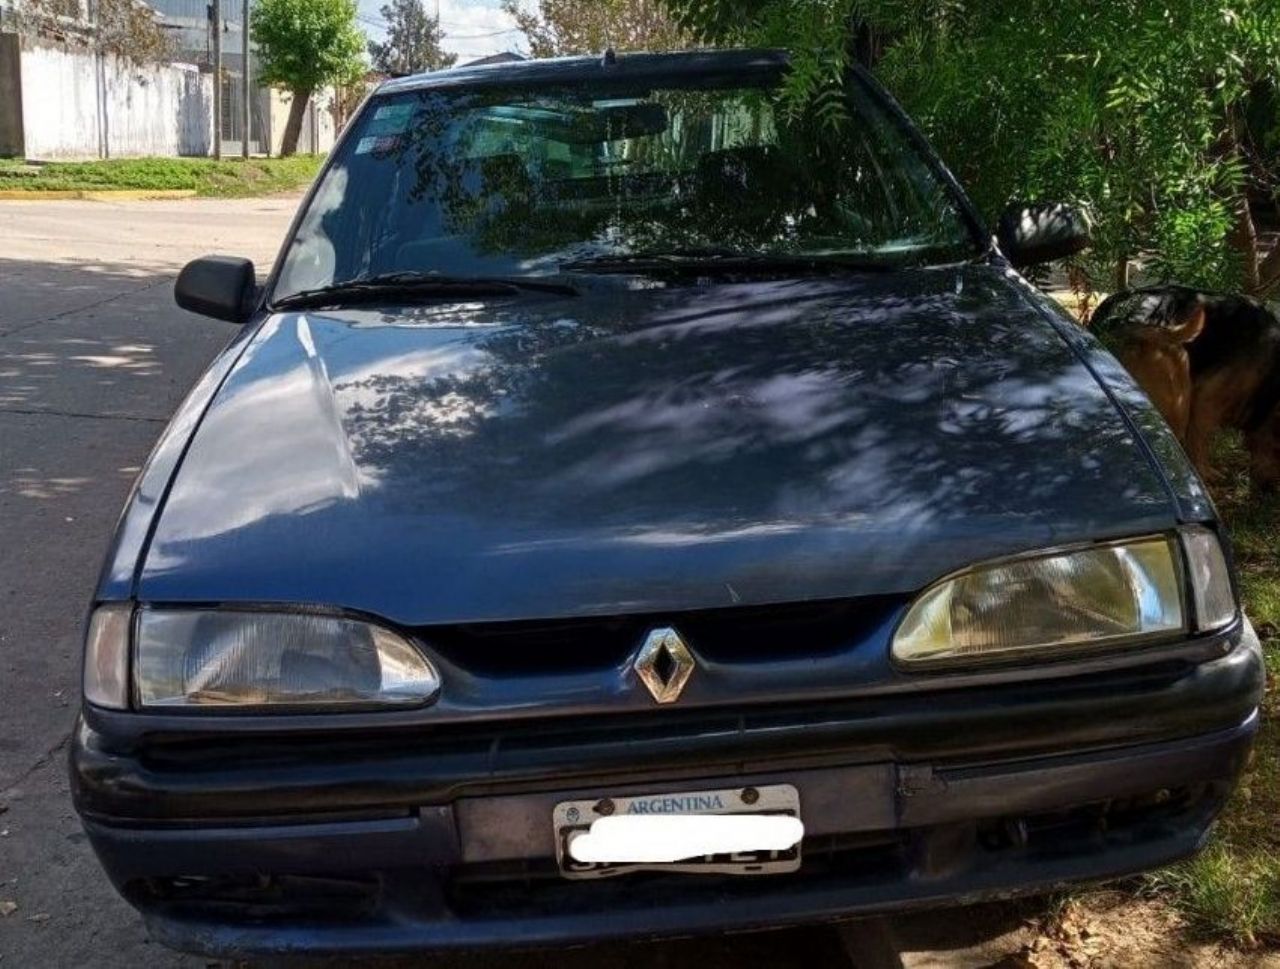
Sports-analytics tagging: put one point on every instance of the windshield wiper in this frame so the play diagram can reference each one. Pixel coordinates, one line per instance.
(712, 261)
(369, 289)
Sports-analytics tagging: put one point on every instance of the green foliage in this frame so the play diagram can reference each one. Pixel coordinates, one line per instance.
(1155, 115)
(561, 27)
(306, 44)
(413, 41)
(818, 34)
(229, 178)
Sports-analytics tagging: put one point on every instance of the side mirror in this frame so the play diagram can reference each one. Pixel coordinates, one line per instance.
(1032, 234)
(223, 287)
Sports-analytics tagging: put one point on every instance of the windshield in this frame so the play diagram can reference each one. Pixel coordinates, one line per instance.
(544, 180)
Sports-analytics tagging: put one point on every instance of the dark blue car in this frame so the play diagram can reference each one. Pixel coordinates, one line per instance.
(638, 503)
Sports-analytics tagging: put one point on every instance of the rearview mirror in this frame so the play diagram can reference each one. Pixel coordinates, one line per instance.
(223, 287)
(630, 120)
(1032, 234)
(587, 126)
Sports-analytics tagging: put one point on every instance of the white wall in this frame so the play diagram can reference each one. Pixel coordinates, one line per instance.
(318, 128)
(326, 124)
(168, 110)
(74, 104)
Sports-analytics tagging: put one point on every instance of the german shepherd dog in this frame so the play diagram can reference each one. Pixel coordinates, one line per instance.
(1207, 361)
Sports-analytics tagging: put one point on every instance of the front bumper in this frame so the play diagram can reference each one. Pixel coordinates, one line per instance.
(341, 857)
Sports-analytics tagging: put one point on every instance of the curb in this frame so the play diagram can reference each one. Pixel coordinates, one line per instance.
(95, 195)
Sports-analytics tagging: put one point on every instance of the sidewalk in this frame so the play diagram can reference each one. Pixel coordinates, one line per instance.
(95, 195)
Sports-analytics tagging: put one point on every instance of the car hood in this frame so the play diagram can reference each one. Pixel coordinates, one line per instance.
(646, 450)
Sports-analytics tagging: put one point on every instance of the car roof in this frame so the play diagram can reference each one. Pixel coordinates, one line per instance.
(568, 70)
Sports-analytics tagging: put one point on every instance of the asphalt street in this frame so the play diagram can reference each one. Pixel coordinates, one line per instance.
(94, 357)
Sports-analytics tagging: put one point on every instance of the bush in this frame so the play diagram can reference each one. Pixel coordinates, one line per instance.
(1154, 115)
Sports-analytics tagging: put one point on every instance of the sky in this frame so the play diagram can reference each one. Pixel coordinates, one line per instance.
(472, 28)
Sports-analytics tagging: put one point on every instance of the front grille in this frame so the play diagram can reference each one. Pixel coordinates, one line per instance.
(261, 898)
(1056, 833)
(752, 634)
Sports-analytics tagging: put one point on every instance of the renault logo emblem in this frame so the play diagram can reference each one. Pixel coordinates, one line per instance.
(664, 664)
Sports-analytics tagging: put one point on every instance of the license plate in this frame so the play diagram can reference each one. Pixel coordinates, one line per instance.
(572, 819)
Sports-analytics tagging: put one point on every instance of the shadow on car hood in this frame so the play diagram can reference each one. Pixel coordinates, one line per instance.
(649, 450)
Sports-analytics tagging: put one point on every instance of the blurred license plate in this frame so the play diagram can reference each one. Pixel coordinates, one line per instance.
(572, 819)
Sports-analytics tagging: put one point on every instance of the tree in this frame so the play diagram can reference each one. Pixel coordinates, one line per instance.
(413, 41)
(589, 26)
(1144, 112)
(304, 45)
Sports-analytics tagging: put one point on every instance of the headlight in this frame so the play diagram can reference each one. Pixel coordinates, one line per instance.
(256, 661)
(1098, 595)
(215, 658)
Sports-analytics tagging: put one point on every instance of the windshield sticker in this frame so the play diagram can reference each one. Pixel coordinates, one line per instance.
(394, 112)
(391, 119)
(378, 144)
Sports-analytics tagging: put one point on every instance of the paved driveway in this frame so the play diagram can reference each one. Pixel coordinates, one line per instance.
(93, 359)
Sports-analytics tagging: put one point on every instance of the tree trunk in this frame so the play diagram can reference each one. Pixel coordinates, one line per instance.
(1268, 269)
(1245, 238)
(1244, 235)
(1269, 272)
(293, 127)
(861, 45)
(1121, 280)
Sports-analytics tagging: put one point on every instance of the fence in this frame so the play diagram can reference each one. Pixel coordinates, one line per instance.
(80, 104)
(67, 100)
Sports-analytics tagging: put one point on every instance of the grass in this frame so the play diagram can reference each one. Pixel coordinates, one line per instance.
(1231, 891)
(205, 176)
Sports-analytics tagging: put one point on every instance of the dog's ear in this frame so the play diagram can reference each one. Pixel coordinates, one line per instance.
(1189, 324)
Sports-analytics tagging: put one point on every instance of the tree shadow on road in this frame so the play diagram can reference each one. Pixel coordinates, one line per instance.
(99, 340)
